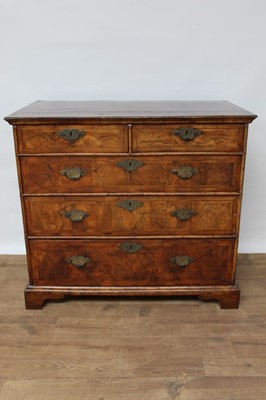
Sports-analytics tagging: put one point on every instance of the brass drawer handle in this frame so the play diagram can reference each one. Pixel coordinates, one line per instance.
(187, 134)
(79, 261)
(131, 247)
(129, 205)
(73, 173)
(184, 172)
(183, 214)
(70, 135)
(75, 215)
(181, 261)
(130, 165)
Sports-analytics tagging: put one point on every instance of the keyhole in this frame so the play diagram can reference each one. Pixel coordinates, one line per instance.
(129, 203)
(130, 163)
(130, 246)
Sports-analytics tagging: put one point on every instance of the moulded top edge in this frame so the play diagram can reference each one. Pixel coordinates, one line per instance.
(127, 111)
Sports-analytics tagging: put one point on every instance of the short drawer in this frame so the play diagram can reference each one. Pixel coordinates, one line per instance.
(109, 262)
(131, 215)
(100, 174)
(72, 138)
(186, 138)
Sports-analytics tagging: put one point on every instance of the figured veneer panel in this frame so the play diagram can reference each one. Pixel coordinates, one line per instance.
(135, 215)
(72, 138)
(105, 174)
(208, 137)
(110, 262)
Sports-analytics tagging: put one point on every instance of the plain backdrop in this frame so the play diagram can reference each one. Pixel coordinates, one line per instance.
(134, 50)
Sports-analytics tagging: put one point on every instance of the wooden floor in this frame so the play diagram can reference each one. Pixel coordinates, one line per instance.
(134, 349)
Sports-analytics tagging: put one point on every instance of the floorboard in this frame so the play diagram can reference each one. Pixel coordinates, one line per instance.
(131, 349)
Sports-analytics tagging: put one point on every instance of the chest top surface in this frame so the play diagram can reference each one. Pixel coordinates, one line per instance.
(81, 111)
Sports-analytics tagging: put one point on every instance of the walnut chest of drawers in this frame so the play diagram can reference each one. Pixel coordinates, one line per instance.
(131, 198)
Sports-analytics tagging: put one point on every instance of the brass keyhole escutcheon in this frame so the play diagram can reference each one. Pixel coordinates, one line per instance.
(187, 134)
(129, 205)
(70, 135)
(131, 247)
(130, 165)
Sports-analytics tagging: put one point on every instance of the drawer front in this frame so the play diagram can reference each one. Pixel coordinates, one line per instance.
(128, 174)
(175, 137)
(128, 263)
(72, 139)
(129, 216)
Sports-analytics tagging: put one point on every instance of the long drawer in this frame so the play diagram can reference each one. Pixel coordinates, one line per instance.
(72, 139)
(85, 174)
(128, 263)
(181, 138)
(131, 215)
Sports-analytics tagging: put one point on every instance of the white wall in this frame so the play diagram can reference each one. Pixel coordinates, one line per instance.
(138, 49)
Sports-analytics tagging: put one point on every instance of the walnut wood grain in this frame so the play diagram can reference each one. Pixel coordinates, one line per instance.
(227, 296)
(213, 216)
(88, 111)
(215, 173)
(150, 265)
(95, 139)
(213, 137)
(19, 174)
(180, 163)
